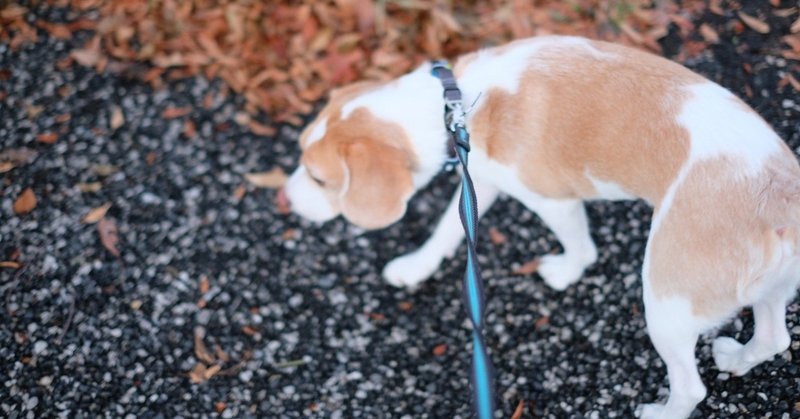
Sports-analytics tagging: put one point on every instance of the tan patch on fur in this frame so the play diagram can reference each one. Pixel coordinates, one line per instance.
(721, 233)
(576, 113)
(338, 98)
(366, 165)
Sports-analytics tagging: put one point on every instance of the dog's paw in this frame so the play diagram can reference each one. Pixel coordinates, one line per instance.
(410, 270)
(728, 355)
(651, 411)
(560, 271)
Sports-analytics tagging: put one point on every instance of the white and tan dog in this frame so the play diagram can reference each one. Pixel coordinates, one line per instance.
(560, 120)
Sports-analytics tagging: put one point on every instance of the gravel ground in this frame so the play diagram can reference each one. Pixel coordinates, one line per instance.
(303, 324)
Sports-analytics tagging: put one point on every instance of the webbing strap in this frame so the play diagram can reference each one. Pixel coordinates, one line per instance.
(482, 375)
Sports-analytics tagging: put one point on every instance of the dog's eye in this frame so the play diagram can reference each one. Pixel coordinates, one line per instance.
(318, 181)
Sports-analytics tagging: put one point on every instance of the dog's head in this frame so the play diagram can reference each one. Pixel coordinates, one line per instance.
(353, 164)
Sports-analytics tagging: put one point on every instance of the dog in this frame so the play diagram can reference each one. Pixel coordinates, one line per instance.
(559, 120)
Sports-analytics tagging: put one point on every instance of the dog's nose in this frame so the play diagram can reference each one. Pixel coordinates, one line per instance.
(282, 201)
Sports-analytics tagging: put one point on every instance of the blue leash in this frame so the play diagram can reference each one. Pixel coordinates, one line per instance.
(482, 370)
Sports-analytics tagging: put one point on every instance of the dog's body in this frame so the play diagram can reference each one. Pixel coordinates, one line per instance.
(558, 120)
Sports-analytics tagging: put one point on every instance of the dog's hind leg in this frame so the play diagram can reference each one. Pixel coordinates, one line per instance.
(769, 338)
(567, 220)
(674, 330)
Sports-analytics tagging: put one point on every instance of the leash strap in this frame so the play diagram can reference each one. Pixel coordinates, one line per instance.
(455, 120)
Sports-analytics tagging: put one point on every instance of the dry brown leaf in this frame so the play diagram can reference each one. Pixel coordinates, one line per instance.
(260, 129)
(201, 352)
(6, 166)
(754, 23)
(85, 57)
(10, 264)
(25, 203)
(173, 112)
(198, 373)
(708, 33)
(220, 407)
(96, 214)
(440, 350)
(89, 187)
(496, 237)
(117, 118)
(239, 193)
(528, 268)
(519, 410)
(541, 322)
(205, 285)
(793, 81)
(795, 26)
(47, 137)
(221, 354)
(109, 235)
(189, 129)
(273, 179)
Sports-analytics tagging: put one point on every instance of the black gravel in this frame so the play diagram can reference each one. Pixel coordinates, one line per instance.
(308, 325)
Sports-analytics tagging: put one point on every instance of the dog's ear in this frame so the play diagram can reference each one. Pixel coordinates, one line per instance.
(377, 183)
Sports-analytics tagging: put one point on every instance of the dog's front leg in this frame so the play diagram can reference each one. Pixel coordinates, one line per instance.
(411, 269)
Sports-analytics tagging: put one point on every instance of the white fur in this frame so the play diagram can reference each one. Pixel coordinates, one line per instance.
(317, 132)
(719, 124)
(608, 190)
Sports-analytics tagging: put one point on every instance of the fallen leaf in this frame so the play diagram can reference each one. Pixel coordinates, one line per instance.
(96, 214)
(33, 111)
(795, 28)
(793, 81)
(249, 330)
(47, 137)
(754, 23)
(136, 304)
(289, 234)
(89, 187)
(204, 284)
(109, 235)
(541, 322)
(260, 129)
(440, 350)
(239, 192)
(6, 166)
(201, 352)
(26, 202)
(519, 410)
(405, 305)
(173, 112)
(85, 57)
(189, 128)
(496, 237)
(273, 179)
(797, 406)
(117, 118)
(10, 264)
(198, 373)
(221, 354)
(709, 34)
(150, 158)
(220, 407)
(528, 268)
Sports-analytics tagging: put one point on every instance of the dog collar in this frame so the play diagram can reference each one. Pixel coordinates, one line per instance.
(454, 113)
